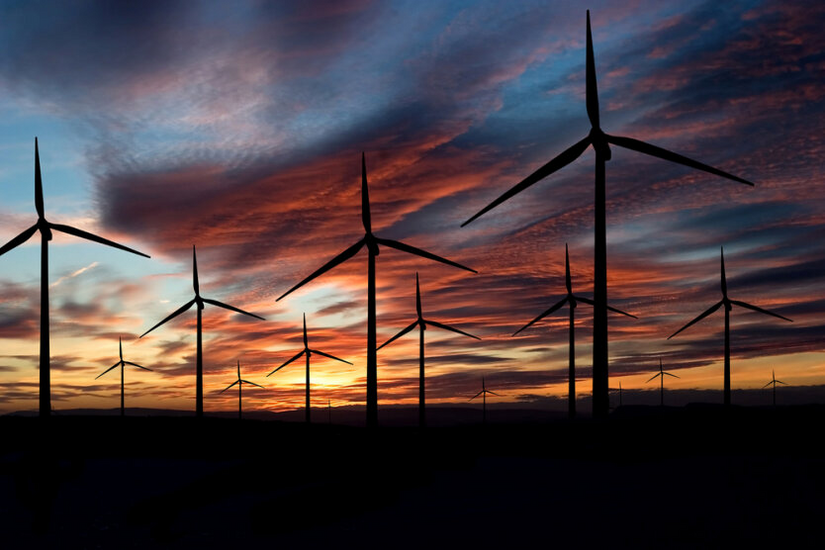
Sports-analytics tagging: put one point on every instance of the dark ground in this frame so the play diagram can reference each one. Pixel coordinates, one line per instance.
(645, 478)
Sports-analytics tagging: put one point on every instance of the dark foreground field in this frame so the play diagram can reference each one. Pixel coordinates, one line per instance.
(645, 478)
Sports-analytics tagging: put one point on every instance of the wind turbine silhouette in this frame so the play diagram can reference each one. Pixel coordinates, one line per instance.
(774, 381)
(371, 242)
(200, 301)
(728, 303)
(661, 374)
(46, 228)
(308, 351)
(121, 364)
(572, 300)
(483, 393)
(422, 323)
(240, 382)
(601, 145)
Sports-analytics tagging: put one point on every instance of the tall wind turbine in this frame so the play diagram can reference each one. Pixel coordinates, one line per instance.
(46, 228)
(774, 382)
(601, 145)
(483, 393)
(308, 352)
(240, 382)
(200, 301)
(422, 323)
(728, 303)
(572, 301)
(371, 241)
(121, 364)
(661, 374)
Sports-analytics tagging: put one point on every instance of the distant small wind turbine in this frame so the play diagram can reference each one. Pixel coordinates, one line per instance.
(422, 323)
(240, 382)
(45, 228)
(121, 364)
(200, 301)
(774, 382)
(728, 303)
(601, 145)
(308, 352)
(572, 300)
(483, 393)
(371, 242)
(661, 374)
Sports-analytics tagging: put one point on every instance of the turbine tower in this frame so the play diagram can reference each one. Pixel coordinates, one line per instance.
(308, 352)
(572, 300)
(121, 364)
(661, 374)
(728, 303)
(774, 382)
(200, 301)
(422, 323)
(240, 382)
(45, 228)
(601, 145)
(483, 393)
(372, 242)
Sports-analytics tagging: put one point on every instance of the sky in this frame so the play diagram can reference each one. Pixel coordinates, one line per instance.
(239, 127)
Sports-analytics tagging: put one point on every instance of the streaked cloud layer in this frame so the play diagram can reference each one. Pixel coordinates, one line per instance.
(239, 128)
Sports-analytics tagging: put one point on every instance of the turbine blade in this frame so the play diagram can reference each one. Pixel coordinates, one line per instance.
(567, 280)
(18, 240)
(781, 382)
(195, 283)
(654, 377)
(423, 253)
(337, 260)
(253, 383)
(710, 310)
(673, 375)
(365, 197)
(590, 71)
(448, 327)
(229, 386)
(107, 370)
(652, 150)
(724, 279)
(330, 356)
(768, 384)
(759, 309)
(611, 308)
(563, 159)
(417, 296)
(91, 237)
(493, 393)
(299, 354)
(306, 340)
(476, 395)
(171, 316)
(543, 315)
(38, 183)
(231, 308)
(136, 365)
(400, 334)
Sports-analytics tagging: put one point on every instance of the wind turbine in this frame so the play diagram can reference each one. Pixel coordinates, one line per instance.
(422, 323)
(308, 351)
(661, 374)
(572, 300)
(601, 145)
(46, 228)
(240, 382)
(121, 364)
(483, 393)
(728, 303)
(371, 242)
(774, 381)
(200, 301)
